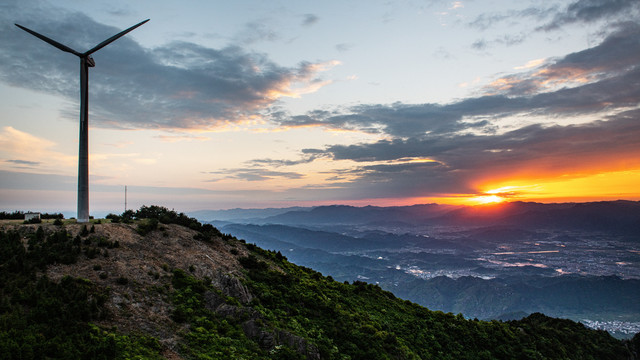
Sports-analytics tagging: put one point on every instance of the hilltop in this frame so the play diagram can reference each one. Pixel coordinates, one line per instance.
(157, 284)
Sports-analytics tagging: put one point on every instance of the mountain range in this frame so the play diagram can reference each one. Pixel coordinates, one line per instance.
(617, 216)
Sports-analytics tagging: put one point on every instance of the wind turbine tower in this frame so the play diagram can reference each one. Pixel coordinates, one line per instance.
(86, 61)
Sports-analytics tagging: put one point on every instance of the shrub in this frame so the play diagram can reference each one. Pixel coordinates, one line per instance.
(147, 226)
(114, 218)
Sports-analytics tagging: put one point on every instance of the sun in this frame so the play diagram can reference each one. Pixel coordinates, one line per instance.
(487, 199)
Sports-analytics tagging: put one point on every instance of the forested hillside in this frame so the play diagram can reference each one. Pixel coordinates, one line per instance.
(157, 284)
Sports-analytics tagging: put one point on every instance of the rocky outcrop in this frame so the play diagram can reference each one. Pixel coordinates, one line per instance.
(251, 321)
(232, 286)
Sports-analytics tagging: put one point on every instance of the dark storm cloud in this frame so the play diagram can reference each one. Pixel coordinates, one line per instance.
(177, 85)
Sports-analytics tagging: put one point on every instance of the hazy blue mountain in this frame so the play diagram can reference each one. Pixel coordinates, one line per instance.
(342, 214)
(242, 215)
(299, 237)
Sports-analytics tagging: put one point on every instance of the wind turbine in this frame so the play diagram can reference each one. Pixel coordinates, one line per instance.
(86, 61)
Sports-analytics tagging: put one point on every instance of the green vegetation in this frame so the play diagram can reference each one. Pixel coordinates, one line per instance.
(210, 336)
(293, 313)
(150, 217)
(19, 215)
(361, 321)
(44, 319)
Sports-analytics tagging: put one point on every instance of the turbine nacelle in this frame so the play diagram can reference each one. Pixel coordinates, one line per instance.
(90, 61)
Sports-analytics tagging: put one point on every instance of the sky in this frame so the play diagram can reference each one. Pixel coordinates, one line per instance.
(256, 104)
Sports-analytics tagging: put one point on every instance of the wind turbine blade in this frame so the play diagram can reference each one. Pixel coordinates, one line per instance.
(50, 41)
(112, 39)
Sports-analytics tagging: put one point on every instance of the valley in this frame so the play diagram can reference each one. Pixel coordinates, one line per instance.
(501, 267)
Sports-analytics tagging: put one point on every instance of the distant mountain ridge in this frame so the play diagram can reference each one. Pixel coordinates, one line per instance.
(242, 214)
(619, 216)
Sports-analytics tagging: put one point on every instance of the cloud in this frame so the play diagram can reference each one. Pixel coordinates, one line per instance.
(29, 152)
(480, 44)
(179, 85)
(602, 78)
(253, 174)
(21, 143)
(577, 12)
(580, 11)
(462, 162)
(280, 163)
(342, 47)
(465, 143)
(310, 19)
(617, 56)
(23, 164)
(487, 20)
(588, 11)
(257, 31)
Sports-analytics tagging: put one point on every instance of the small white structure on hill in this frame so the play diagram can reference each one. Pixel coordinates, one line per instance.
(31, 215)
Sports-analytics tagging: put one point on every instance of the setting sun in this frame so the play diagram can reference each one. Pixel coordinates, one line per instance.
(487, 199)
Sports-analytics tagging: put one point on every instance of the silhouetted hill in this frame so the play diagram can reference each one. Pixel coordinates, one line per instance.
(166, 286)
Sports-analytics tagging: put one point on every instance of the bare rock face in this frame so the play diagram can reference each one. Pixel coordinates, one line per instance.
(273, 339)
(231, 286)
(266, 338)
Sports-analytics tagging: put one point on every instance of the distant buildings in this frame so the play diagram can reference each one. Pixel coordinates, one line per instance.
(30, 216)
